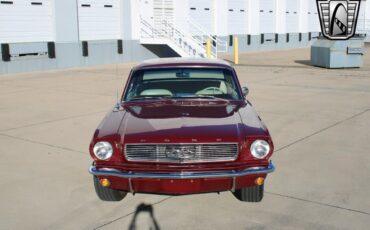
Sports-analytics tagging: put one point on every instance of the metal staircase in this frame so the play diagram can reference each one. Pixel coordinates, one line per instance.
(217, 45)
(190, 43)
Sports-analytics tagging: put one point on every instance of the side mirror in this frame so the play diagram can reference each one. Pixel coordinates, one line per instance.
(245, 91)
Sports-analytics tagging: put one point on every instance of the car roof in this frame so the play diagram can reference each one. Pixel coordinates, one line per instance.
(180, 62)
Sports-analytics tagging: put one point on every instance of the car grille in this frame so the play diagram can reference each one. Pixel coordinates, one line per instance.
(183, 153)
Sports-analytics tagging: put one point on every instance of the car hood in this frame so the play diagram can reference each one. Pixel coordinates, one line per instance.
(188, 123)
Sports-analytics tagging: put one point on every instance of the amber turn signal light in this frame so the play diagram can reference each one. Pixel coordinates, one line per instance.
(105, 182)
(259, 181)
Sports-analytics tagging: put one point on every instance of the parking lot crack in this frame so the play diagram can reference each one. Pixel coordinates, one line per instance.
(322, 130)
(41, 143)
(52, 121)
(319, 203)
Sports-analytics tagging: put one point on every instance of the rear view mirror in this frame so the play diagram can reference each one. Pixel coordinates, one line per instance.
(245, 91)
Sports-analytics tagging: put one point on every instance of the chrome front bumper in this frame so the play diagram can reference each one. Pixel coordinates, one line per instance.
(182, 175)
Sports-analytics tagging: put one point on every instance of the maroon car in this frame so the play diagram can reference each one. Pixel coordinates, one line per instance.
(183, 126)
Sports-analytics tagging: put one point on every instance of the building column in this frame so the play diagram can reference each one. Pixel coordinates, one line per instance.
(66, 21)
(303, 17)
(280, 16)
(253, 17)
(221, 17)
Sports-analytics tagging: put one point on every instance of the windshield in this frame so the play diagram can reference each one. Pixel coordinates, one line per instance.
(182, 83)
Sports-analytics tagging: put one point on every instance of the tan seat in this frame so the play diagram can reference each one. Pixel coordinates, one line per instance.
(156, 92)
(222, 89)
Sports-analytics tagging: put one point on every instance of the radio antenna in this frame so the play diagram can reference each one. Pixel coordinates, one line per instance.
(118, 104)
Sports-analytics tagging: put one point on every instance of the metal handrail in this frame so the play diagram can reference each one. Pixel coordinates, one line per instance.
(217, 43)
(199, 33)
(175, 35)
(192, 42)
(166, 30)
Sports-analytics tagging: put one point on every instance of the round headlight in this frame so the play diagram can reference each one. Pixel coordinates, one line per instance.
(103, 150)
(260, 149)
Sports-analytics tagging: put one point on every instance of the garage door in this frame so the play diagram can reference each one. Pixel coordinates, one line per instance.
(292, 16)
(99, 19)
(26, 21)
(313, 17)
(237, 17)
(267, 16)
(202, 12)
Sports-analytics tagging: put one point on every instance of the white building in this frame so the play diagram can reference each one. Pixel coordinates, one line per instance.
(47, 34)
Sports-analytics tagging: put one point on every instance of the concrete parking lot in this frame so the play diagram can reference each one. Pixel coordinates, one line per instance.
(319, 120)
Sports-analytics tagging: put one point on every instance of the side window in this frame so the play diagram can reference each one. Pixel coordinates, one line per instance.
(231, 85)
(134, 85)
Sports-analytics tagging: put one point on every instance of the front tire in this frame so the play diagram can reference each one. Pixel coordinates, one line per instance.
(108, 194)
(250, 194)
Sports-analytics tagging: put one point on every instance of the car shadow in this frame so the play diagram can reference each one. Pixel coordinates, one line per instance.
(144, 209)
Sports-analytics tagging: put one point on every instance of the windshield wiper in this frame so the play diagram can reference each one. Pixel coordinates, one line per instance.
(138, 98)
(146, 98)
(197, 97)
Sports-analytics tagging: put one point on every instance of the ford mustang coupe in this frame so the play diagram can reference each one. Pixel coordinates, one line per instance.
(183, 126)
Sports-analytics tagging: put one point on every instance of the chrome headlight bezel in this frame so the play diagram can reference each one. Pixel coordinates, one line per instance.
(103, 150)
(260, 149)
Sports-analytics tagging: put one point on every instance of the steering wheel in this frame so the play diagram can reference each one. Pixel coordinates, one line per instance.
(210, 90)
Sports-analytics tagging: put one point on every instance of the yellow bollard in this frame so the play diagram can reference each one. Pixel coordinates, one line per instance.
(208, 48)
(236, 51)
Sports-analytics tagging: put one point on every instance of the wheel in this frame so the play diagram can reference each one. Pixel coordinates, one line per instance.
(250, 194)
(108, 194)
